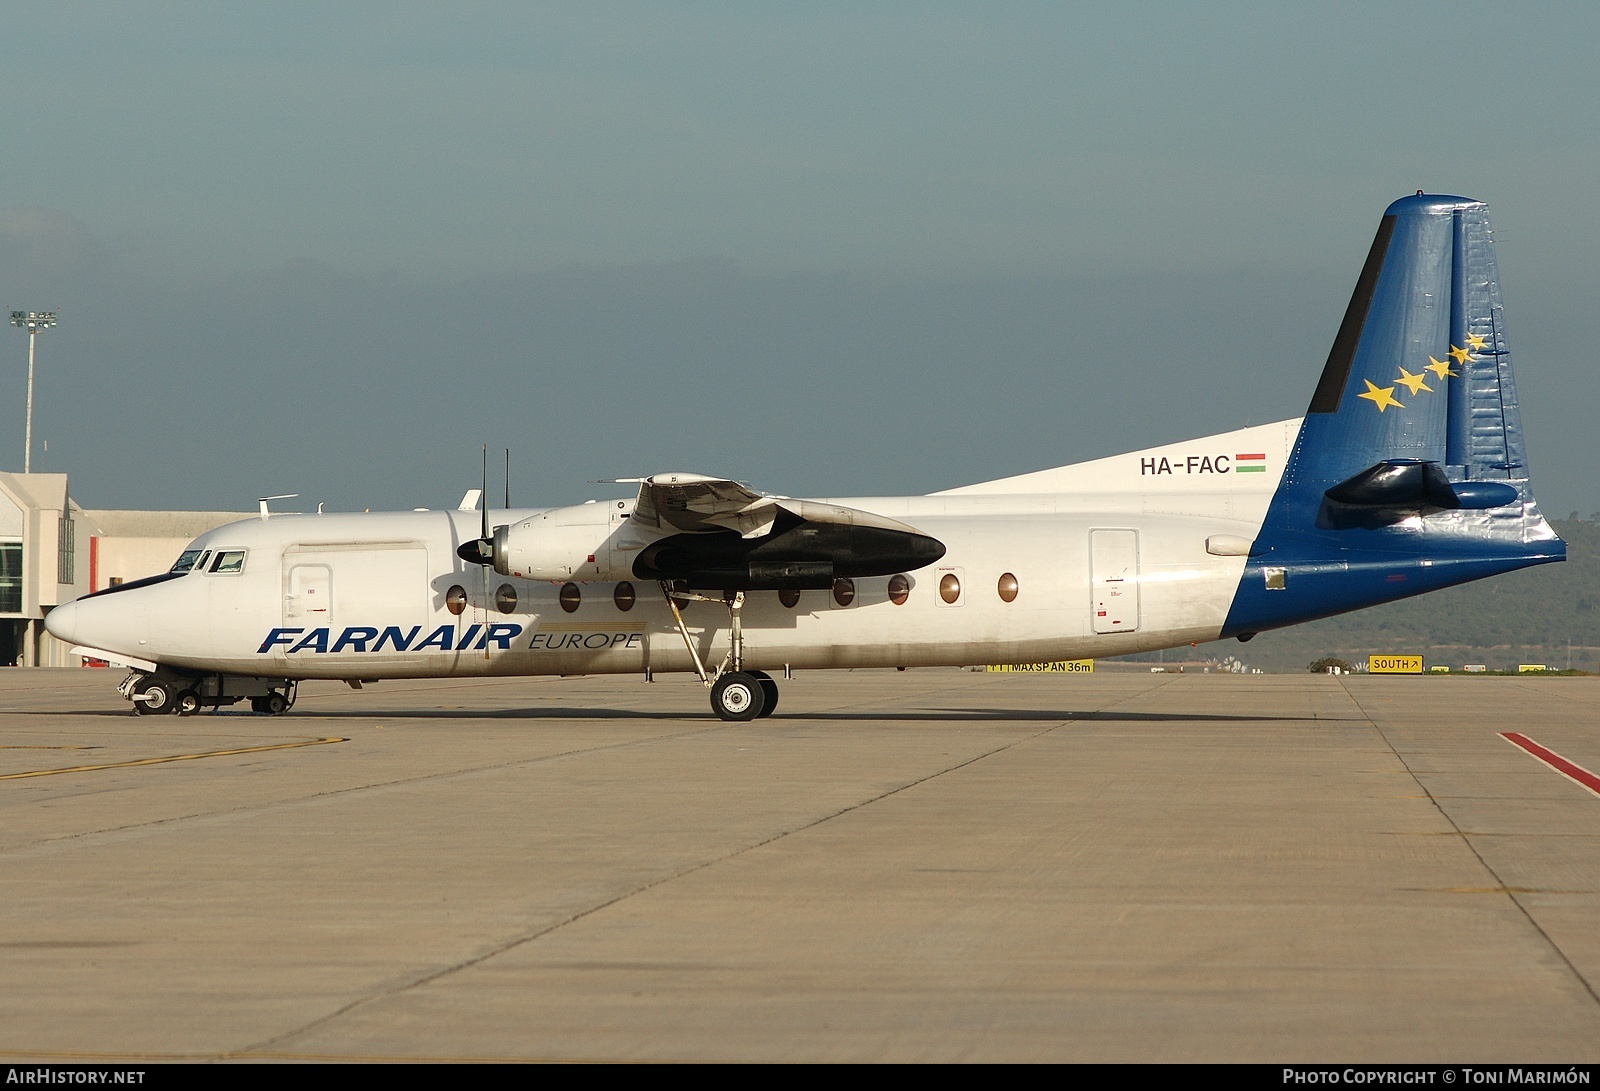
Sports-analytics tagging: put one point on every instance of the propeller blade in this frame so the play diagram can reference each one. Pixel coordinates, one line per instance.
(480, 551)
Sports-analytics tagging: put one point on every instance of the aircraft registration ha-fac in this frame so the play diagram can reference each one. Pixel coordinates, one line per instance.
(1406, 474)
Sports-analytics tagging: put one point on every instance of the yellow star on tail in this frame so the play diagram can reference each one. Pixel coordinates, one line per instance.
(1380, 396)
(1414, 383)
(1474, 341)
(1438, 367)
(1460, 356)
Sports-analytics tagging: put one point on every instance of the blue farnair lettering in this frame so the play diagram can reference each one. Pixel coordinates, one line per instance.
(500, 636)
(466, 637)
(278, 636)
(393, 636)
(443, 638)
(316, 640)
(355, 637)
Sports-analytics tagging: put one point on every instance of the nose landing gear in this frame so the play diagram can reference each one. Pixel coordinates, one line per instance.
(164, 693)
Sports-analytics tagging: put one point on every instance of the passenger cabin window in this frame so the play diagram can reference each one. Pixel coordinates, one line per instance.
(229, 560)
(185, 560)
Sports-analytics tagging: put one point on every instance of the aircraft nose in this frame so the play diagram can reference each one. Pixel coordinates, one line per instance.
(62, 622)
(114, 623)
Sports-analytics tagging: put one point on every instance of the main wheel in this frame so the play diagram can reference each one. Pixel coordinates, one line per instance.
(738, 696)
(187, 703)
(769, 688)
(155, 698)
(275, 704)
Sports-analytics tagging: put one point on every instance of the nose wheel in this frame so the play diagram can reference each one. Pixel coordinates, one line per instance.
(155, 698)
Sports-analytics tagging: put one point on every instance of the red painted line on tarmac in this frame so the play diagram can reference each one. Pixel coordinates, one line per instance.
(1569, 769)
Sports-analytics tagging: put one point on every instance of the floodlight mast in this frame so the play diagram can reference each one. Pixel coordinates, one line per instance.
(35, 322)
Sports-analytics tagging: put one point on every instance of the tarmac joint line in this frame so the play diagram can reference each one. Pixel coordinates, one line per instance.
(1499, 886)
(273, 1047)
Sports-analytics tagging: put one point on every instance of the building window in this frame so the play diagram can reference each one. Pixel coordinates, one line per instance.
(10, 577)
(67, 555)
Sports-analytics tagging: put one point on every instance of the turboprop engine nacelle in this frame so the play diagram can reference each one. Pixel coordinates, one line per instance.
(561, 544)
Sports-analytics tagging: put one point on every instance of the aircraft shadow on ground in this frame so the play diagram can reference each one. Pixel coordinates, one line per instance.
(932, 715)
(954, 715)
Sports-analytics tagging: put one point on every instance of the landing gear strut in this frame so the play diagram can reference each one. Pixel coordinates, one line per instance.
(736, 694)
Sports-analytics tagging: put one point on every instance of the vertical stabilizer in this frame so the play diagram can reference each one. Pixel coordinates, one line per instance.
(1421, 368)
(1409, 472)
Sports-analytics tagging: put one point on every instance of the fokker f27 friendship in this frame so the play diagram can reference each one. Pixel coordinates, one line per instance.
(1406, 474)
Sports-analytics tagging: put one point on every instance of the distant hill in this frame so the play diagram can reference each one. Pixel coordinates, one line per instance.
(1532, 616)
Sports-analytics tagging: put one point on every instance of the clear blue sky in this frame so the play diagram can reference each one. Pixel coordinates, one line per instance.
(825, 248)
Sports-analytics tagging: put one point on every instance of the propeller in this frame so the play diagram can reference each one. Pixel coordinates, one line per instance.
(481, 550)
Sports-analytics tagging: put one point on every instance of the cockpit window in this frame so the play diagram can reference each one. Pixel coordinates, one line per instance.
(185, 561)
(229, 560)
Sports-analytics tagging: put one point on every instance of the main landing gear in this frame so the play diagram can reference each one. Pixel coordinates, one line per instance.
(736, 694)
(163, 694)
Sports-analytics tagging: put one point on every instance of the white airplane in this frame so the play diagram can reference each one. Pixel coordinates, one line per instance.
(1406, 474)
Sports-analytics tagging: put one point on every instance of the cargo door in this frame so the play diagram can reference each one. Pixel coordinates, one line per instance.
(381, 585)
(1114, 580)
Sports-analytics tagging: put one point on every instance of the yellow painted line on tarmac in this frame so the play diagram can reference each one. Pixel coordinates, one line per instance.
(170, 757)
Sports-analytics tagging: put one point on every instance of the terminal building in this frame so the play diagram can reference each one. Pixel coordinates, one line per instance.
(53, 551)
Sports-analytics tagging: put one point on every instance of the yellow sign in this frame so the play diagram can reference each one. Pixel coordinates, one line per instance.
(1394, 664)
(1063, 666)
(1531, 668)
(1438, 670)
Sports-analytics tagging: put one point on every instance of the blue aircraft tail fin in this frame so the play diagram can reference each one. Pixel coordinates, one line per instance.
(1409, 471)
(1421, 368)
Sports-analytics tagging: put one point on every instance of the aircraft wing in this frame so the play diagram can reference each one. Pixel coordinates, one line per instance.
(690, 503)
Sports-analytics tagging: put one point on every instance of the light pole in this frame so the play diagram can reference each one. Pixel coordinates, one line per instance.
(34, 322)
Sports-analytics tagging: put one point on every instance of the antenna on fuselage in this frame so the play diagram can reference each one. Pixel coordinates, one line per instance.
(262, 500)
